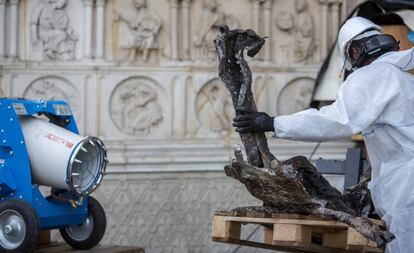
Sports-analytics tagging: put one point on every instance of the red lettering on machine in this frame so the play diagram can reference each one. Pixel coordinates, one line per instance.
(59, 140)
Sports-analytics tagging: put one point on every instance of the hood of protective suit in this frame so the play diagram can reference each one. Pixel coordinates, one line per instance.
(403, 60)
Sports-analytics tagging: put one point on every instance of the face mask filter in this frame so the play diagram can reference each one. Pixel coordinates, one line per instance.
(373, 47)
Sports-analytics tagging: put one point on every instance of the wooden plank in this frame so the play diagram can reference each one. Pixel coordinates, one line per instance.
(291, 234)
(280, 216)
(321, 249)
(311, 248)
(356, 240)
(44, 237)
(357, 137)
(380, 223)
(296, 216)
(295, 219)
(313, 223)
(64, 248)
(243, 214)
(222, 228)
(263, 215)
(335, 240)
(371, 250)
(268, 235)
(53, 248)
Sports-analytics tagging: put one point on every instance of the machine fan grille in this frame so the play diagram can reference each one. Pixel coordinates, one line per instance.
(87, 166)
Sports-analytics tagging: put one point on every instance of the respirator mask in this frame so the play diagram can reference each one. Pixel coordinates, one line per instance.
(373, 47)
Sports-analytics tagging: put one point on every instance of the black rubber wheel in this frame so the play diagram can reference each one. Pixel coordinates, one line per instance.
(88, 234)
(19, 227)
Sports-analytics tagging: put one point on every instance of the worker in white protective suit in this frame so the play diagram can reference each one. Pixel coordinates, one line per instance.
(377, 99)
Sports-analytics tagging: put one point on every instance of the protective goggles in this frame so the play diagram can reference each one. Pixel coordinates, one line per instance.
(375, 46)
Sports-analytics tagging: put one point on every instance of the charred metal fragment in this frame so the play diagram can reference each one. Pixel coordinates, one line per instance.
(292, 186)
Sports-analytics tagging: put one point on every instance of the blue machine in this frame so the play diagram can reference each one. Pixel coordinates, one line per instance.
(24, 211)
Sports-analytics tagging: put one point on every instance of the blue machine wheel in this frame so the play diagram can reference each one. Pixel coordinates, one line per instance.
(88, 234)
(19, 227)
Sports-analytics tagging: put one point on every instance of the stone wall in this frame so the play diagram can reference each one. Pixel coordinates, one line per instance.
(142, 75)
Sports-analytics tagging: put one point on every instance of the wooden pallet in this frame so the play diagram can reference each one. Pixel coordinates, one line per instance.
(293, 233)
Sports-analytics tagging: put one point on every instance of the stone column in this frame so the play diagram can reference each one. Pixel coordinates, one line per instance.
(174, 28)
(267, 31)
(100, 29)
(186, 19)
(344, 10)
(324, 28)
(87, 29)
(14, 28)
(256, 15)
(335, 20)
(2, 29)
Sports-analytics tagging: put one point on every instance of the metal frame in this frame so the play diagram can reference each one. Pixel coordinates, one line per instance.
(15, 174)
(352, 167)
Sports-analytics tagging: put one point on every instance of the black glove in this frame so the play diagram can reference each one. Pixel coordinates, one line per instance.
(251, 121)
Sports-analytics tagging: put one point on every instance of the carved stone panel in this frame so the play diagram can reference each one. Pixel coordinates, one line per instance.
(51, 32)
(53, 88)
(139, 31)
(211, 18)
(295, 96)
(136, 106)
(214, 107)
(299, 44)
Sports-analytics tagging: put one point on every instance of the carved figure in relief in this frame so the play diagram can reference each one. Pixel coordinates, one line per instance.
(285, 21)
(301, 45)
(138, 106)
(303, 100)
(304, 45)
(50, 28)
(144, 28)
(214, 108)
(300, 90)
(208, 30)
(51, 88)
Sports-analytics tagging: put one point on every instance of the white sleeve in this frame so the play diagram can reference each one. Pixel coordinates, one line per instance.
(360, 101)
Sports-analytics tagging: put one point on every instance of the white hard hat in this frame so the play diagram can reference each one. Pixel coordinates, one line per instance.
(356, 28)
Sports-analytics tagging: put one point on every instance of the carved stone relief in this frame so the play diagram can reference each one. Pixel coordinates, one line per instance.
(143, 31)
(284, 20)
(301, 44)
(135, 106)
(212, 17)
(51, 32)
(214, 107)
(53, 88)
(296, 96)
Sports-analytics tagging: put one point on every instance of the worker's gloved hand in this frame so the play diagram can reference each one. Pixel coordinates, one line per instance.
(251, 121)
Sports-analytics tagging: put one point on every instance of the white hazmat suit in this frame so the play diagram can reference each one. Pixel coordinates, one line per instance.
(377, 100)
